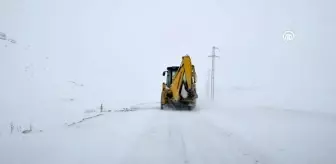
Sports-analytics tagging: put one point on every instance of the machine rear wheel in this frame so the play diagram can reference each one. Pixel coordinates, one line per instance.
(191, 107)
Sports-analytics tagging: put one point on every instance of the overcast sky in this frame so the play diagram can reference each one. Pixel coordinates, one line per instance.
(118, 50)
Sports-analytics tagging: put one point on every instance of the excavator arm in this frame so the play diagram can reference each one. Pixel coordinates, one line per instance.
(183, 77)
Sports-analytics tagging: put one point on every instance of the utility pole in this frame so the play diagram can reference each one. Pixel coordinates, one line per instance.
(213, 56)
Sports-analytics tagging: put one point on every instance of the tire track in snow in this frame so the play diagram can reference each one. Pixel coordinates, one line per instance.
(183, 137)
(206, 143)
(245, 148)
(186, 161)
(175, 123)
(161, 142)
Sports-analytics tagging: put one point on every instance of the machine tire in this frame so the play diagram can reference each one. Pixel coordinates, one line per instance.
(189, 108)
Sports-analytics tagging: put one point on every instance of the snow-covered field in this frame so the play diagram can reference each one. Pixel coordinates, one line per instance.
(207, 135)
(280, 136)
(60, 60)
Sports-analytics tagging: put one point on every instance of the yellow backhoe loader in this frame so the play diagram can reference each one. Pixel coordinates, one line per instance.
(179, 90)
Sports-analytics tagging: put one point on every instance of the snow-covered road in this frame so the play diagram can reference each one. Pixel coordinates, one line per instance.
(181, 137)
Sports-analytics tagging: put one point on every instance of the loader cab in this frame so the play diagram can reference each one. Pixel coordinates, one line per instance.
(169, 73)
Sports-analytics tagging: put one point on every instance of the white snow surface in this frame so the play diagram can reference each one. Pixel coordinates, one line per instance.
(277, 99)
(209, 134)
